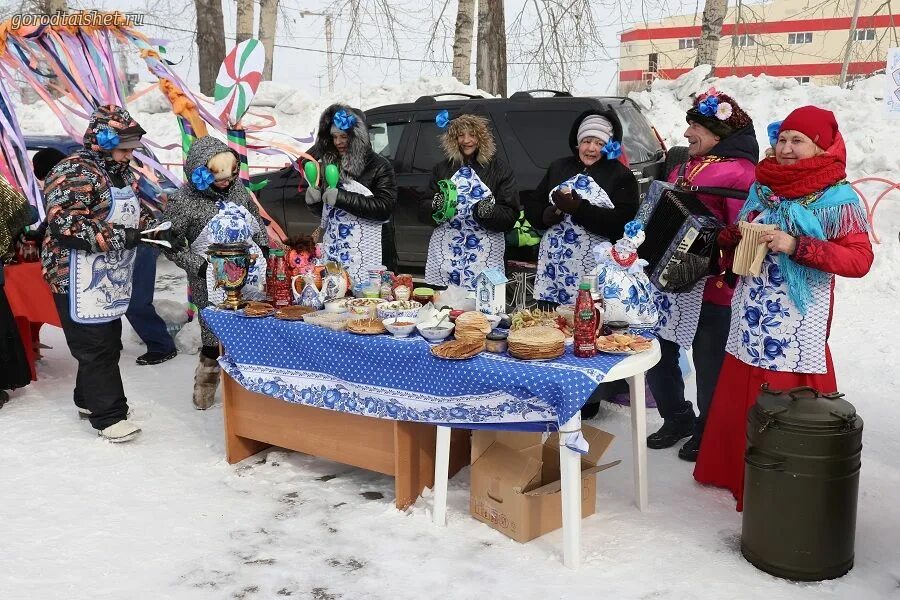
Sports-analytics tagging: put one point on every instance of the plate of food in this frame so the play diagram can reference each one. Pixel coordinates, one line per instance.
(458, 349)
(623, 343)
(366, 326)
(254, 310)
(293, 313)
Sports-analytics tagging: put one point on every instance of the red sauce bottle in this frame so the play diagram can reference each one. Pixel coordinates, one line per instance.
(585, 323)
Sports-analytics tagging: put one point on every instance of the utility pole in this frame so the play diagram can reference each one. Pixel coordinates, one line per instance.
(846, 65)
(329, 42)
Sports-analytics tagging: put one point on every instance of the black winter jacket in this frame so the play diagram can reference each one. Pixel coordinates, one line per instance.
(497, 176)
(378, 177)
(616, 179)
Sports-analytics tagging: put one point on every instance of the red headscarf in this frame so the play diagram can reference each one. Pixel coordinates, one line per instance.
(805, 176)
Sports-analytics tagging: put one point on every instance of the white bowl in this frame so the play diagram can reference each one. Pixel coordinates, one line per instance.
(399, 330)
(436, 334)
(364, 307)
(338, 305)
(399, 308)
(493, 320)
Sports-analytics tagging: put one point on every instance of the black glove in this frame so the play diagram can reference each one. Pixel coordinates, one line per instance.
(552, 216)
(132, 237)
(566, 202)
(484, 209)
(683, 276)
(178, 242)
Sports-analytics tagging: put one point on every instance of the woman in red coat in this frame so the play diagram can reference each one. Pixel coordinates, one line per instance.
(781, 319)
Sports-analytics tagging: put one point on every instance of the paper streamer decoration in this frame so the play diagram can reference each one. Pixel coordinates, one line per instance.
(238, 80)
(237, 141)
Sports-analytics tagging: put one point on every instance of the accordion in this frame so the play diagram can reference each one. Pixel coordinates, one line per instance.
(675, 221)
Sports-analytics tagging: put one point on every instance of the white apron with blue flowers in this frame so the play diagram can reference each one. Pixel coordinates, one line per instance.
(767, 330)
(100, 283)
(255, 284)
(351, 241)
(679, 314)
(460, 249)
(566, 251)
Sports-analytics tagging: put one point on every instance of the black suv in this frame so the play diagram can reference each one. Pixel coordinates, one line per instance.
(531, 132)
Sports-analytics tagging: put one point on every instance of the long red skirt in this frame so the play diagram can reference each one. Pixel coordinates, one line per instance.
(721, 459)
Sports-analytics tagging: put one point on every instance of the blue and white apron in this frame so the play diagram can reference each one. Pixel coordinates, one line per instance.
(767, 330)
(679, 314)
(255, 284)
(100, 283)
(351, 241)
(460, 249)
(566, 251)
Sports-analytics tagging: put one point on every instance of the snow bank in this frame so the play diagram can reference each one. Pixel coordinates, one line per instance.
(869, 133)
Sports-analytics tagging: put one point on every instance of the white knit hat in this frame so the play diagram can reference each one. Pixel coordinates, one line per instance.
(595, 126)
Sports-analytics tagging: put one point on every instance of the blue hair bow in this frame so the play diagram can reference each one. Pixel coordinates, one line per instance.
(632, 228)
(107, 138)
(442, 119)
(709, 106)
(612, 149)
(773, 130)
(343, 120)
(202, 177)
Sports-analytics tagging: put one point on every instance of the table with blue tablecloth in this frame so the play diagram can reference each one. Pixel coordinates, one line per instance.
(280, 374)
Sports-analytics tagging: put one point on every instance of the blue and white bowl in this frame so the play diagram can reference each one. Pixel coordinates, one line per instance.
(407, 309)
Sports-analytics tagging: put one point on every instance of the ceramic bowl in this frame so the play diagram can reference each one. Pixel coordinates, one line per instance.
(338, 305)
(364, 307)
(399, 330)
(436, 334)
(408, 309)
(493, 320)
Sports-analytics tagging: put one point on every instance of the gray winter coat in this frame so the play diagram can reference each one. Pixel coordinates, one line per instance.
(191, 209)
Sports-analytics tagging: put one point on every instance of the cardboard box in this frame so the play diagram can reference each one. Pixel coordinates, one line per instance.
(515, 480)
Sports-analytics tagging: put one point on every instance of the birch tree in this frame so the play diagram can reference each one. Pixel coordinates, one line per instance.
(711, 32)
(268, 21)
(462, 40)
(244, 14)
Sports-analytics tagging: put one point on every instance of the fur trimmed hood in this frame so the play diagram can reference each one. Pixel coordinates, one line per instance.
(487, 147)
(353, 163)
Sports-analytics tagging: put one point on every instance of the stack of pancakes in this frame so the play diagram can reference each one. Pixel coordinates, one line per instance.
(541, 342)
(472, 325)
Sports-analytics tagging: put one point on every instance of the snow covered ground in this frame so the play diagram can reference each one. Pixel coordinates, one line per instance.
(165, 517)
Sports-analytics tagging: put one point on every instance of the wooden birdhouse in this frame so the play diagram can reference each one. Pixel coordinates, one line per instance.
(490, 292)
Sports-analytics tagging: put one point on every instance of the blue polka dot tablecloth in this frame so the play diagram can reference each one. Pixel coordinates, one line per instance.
(385, 377)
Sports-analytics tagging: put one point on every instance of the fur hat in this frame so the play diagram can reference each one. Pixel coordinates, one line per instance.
(480, 128)
(595, 126)
(718, 112)
(353, 162)
(816, 123)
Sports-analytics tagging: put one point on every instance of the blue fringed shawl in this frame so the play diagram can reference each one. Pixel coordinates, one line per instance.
(832, 213)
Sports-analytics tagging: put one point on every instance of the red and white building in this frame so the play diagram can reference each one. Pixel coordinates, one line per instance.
(803, 39)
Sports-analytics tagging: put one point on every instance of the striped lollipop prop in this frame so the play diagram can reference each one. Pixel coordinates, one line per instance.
(238, 80)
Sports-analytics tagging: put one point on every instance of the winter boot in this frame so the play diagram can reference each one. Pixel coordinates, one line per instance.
(155, 358)
(123, 431)
(206, 380)
(673, 430)
(691, 449)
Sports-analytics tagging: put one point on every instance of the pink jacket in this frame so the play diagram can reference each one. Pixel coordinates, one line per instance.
(715, 171)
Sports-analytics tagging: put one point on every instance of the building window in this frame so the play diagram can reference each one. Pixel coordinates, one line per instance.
(653, 62)
(803, 79)
(688, 43)
(800, 38)
(743, 40)
(865, 34)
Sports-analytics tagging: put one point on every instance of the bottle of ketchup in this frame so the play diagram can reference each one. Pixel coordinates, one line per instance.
(585, 323)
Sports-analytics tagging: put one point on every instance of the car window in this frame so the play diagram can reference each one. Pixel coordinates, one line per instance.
(386, 138)
(640, 142)
(428, 150)
(543, 135)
